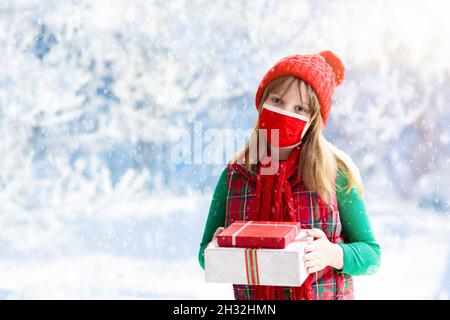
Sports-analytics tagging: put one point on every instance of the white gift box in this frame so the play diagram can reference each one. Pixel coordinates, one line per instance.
(281, 267)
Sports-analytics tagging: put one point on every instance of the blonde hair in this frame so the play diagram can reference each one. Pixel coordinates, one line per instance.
(319, 159)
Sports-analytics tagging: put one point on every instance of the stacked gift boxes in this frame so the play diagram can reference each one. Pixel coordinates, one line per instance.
(258, 253)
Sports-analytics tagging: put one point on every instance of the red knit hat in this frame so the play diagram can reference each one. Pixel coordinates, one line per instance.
(321, 71)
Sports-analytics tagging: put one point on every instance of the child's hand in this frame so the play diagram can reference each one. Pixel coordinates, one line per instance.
(218, 230)
(320, 253)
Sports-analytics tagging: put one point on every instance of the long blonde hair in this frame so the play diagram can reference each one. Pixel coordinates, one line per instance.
(319, 159)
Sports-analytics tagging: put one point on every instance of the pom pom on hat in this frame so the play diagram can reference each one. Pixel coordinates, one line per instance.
(336, 64)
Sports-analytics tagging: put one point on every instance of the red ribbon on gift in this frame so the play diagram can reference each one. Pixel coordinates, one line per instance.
(251, 265)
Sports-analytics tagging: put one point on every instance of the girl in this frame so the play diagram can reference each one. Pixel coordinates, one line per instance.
(299, 176)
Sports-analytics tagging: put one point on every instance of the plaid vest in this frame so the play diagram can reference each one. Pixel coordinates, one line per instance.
(313, 212)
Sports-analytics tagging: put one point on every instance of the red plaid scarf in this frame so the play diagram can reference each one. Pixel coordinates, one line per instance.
(276, 205)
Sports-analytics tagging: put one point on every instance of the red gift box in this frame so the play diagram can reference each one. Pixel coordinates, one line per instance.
(259, 234)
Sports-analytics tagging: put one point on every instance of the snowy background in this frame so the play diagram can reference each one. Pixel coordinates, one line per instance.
(91, 92)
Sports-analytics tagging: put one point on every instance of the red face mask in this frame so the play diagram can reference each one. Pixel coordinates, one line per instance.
(292, 126)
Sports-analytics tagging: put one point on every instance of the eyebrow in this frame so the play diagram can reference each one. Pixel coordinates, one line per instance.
(301, 105)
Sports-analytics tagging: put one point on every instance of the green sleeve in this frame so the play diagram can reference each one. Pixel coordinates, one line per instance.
(216, 215)
(362, 253)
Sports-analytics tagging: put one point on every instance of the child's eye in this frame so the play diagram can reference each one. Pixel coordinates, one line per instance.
(276, 100)
(301, 109)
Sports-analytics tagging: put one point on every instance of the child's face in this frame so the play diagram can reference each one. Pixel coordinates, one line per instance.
(291, 101)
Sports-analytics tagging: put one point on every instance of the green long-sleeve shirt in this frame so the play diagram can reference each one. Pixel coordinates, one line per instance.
(362, 253)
